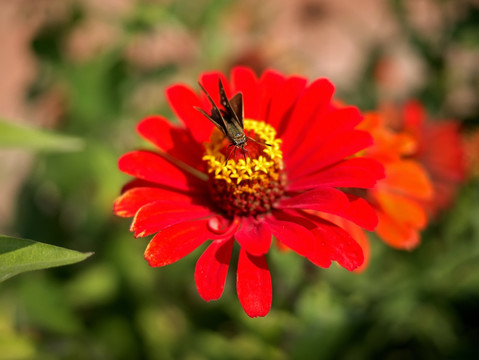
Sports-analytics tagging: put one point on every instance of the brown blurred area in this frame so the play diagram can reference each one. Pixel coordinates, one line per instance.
(315, 38)
(342, 40)
(19, 21)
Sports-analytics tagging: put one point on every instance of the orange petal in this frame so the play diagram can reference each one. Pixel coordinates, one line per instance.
(409, 178)
(402, 209)
(396, 234)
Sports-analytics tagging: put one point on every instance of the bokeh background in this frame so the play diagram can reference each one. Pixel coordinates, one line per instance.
(92, 69)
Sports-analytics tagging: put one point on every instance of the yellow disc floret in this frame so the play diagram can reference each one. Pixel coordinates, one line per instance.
(252, 179)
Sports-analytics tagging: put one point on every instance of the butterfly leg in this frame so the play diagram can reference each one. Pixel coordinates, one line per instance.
(229, 154)
(244, 153)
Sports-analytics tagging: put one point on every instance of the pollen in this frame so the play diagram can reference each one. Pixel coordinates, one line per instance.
(252, 179)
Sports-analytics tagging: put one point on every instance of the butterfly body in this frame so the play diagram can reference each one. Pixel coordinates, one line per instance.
(235, 135)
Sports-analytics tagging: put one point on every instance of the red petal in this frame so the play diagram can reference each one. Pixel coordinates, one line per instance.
(157, 130)
(253, 284)
(320, 253)
(358, 234)
(324, 127)
(270, 83)
(254, 236)
(182, 100)
(338, 120)
(175, 242)
(137, 183)
(322, 199)
(314, 100)
(413, 115)
(361, 213)
(171, 139)
(442, 151)
(212, 268)
(210, 83)
(244, 80)
(158, 215)
(336, 149)
(362, 239)
(149, 166)
(342, 246)
(294, 236)
(354, 172)
(132, 200)
(284, 99)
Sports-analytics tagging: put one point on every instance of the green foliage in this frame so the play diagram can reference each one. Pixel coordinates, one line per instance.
(13, 135)
(21, 255)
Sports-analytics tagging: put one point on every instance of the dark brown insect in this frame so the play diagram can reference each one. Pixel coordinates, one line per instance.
(229, 120)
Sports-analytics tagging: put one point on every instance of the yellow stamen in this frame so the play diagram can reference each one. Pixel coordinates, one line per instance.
(248, 186)
(254, 168)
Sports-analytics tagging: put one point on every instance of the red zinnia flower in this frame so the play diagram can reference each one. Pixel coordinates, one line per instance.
(187, 193)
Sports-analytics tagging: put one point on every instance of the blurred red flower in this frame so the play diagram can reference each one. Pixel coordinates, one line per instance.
(440, 151)
(471, 145)
(398, 198)
(187, 193)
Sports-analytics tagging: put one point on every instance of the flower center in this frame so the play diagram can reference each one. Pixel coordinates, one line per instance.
(252, 179)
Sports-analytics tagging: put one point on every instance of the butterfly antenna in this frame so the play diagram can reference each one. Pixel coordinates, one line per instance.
(197, 108)
(257, 142)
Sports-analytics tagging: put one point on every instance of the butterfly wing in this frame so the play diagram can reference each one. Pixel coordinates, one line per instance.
(213, 118)
(231, 114)
(216, 118)
(236, 103)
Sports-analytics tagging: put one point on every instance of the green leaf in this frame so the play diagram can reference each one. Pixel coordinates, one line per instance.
(20, 255)
(19, 136)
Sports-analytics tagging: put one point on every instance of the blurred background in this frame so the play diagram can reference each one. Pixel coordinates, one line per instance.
(93, 69)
